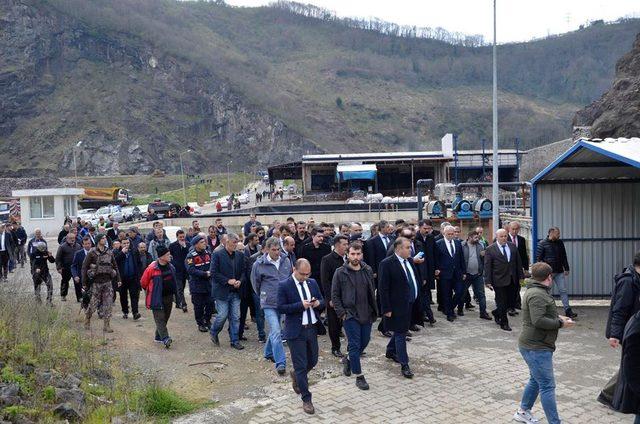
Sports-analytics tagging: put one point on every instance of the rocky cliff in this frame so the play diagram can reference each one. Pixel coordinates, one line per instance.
(617, 112)
(133, 107)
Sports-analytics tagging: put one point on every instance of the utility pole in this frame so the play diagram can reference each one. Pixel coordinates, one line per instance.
(184, 188)
(229, 177)
(495, 193)
(75, 165)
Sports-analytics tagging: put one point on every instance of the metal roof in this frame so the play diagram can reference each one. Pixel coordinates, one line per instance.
(48, 192)
(392, 156)
(595, 159)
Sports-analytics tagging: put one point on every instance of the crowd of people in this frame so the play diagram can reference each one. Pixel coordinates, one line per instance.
(322, 278)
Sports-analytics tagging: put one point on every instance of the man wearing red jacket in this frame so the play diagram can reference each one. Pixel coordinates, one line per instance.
(159, 283)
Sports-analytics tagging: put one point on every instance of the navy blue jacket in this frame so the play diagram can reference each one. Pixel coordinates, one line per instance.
(290, 304)
(178, 256)
(450, 268)
(225, 267)
(395, 294)
(197, 265)
(76, 265)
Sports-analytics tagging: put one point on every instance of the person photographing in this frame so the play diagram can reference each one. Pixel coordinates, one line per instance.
(540, 325)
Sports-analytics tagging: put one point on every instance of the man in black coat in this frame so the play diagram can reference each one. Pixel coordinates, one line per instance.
(375, 250)
(399, 288)
(426, 236)
(521, 244)
(64, 260)
(552, 251)
(314, 251)
(6, 251)
(627, 394)
(179, 250)
(330, 263)
(502, 274)
(451, 270)
(112, 233)
(128, 263)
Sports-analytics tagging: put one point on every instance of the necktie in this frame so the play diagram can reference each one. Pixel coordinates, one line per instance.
(452, 249)
(385, 241)
(412, 286)
(504, 251)
(515, 240)
(413, 251)
(304, 296)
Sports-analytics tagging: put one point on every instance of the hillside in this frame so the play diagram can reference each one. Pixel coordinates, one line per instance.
(141, 80)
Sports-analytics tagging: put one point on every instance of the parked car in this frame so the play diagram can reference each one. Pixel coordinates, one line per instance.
(108, 212)
(243, 198)
(164, 209)
(85, 214)
(131, 213)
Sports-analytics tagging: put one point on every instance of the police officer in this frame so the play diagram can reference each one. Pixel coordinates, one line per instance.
(101, 269)
(40, 270)
(198, 263)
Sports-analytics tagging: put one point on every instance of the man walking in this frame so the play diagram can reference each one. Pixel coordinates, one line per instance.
(76, 271)
(300, 299)
(502, 274)
(473, 252)
(228, 270)
(266, 274)
(552, 251)
(198, 265)
(100, 267)
(64, 260)
(40, 270)
(537, 342)
(352, 296)
(159, 283)
(246, 229)
(6, 251)
(314, 251)
(128, 262)
(398, 288)
(330, 263)
(179, 251)
(375, 250)
(521, 245)
(450, 267)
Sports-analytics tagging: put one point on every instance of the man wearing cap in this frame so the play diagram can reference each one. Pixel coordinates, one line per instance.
(40, 270)
(159, 283)
(198, 264)
(100, 268)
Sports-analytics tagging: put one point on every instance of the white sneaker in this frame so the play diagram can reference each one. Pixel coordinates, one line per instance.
(525, 417)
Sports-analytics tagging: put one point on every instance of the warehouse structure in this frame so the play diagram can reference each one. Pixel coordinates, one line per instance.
(394, 173)
(592, 193)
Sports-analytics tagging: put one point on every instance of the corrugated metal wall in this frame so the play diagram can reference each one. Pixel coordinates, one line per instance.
(587, 213)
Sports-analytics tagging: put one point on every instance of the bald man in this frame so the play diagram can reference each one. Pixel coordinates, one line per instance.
(502, 274)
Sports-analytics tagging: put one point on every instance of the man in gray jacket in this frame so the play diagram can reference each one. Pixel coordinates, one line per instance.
(266, 274)
(473, 252)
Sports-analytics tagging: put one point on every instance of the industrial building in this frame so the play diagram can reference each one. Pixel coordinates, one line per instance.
(592, 193)
(394, 173)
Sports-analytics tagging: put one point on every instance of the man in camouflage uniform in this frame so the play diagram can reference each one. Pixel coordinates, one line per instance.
(101, 269)
(40, 270)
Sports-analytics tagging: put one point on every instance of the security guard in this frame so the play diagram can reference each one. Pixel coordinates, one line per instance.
(40, 270)
(198, 263)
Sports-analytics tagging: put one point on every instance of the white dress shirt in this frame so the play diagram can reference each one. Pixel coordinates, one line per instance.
(408, 267)
(506, 248)
(451, 246)
(305, 315)
(3, 246)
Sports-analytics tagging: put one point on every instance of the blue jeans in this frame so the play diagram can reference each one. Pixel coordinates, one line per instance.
(560, 282)
(358, 336)
(541, 381)
(228, 308)
(274, 347)
(477, 283)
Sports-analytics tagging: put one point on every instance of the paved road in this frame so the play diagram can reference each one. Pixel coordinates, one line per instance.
(466, 372)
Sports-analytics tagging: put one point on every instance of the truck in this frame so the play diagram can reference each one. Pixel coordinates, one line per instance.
(95, 197)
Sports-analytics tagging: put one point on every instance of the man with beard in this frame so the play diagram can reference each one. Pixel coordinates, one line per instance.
(179, 250)
(64, 260)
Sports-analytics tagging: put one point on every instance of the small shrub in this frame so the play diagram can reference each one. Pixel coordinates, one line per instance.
(159, 402)
(49, 393)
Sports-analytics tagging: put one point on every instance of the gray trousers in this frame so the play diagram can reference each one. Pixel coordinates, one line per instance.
(161, 317)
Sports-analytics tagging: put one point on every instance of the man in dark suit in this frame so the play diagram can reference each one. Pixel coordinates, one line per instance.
(7, 247)
(179, 250)
(330, 263)
(426, 236)
(113, 232)
(521, 244)
(315, 250)
(128, 266)
(502, 274)
(76, 271)
(228, 268)
(300, 300)
(450, 267)
(375, 250)
(398, 283)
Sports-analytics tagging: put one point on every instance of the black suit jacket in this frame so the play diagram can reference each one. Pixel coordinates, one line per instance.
(522, 251)
(375, 252)
(497, 271)
(395, 295)
(450, 267)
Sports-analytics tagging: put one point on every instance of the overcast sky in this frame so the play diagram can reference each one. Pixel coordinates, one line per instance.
(518, 20)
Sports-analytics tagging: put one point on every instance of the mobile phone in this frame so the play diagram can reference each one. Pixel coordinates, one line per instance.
(420, 255)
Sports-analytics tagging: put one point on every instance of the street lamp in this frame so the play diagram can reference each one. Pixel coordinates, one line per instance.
(75, 165)
(184, 189)
(495, 179)
(229, 177)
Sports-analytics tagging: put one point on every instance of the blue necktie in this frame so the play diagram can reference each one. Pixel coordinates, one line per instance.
(504, 251)
(304, 296)
(412, 286)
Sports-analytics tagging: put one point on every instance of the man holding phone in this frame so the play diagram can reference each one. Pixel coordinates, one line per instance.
(540, 325)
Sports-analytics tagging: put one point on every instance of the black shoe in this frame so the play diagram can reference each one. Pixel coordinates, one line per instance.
(485, 315)
(432, 321)
(432, 303)
(569, 313)
(391, 356)
(185, 309)
(406, 371)
(262, 339)
(440, 308)
(202, 329)
(408, 338)
(451, 318)
(386, 334)
(512, 312)
(337, 353)
(136, 317)
(469, 306)
(281, 370)
(409, 334)
(125, 316)
(270, 358)
(215, 339)
(342, 335)
(346, 367)
(361, 383)
(363, 354)
(505, 327)
(243, 338)
(236, 345)
(414, 328)
(460, 312)
(246, 327)
(495, 317)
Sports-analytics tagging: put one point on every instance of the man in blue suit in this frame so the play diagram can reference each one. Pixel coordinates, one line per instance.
(300, 300)
(76, 270)
(451, 269)
(399, 285)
